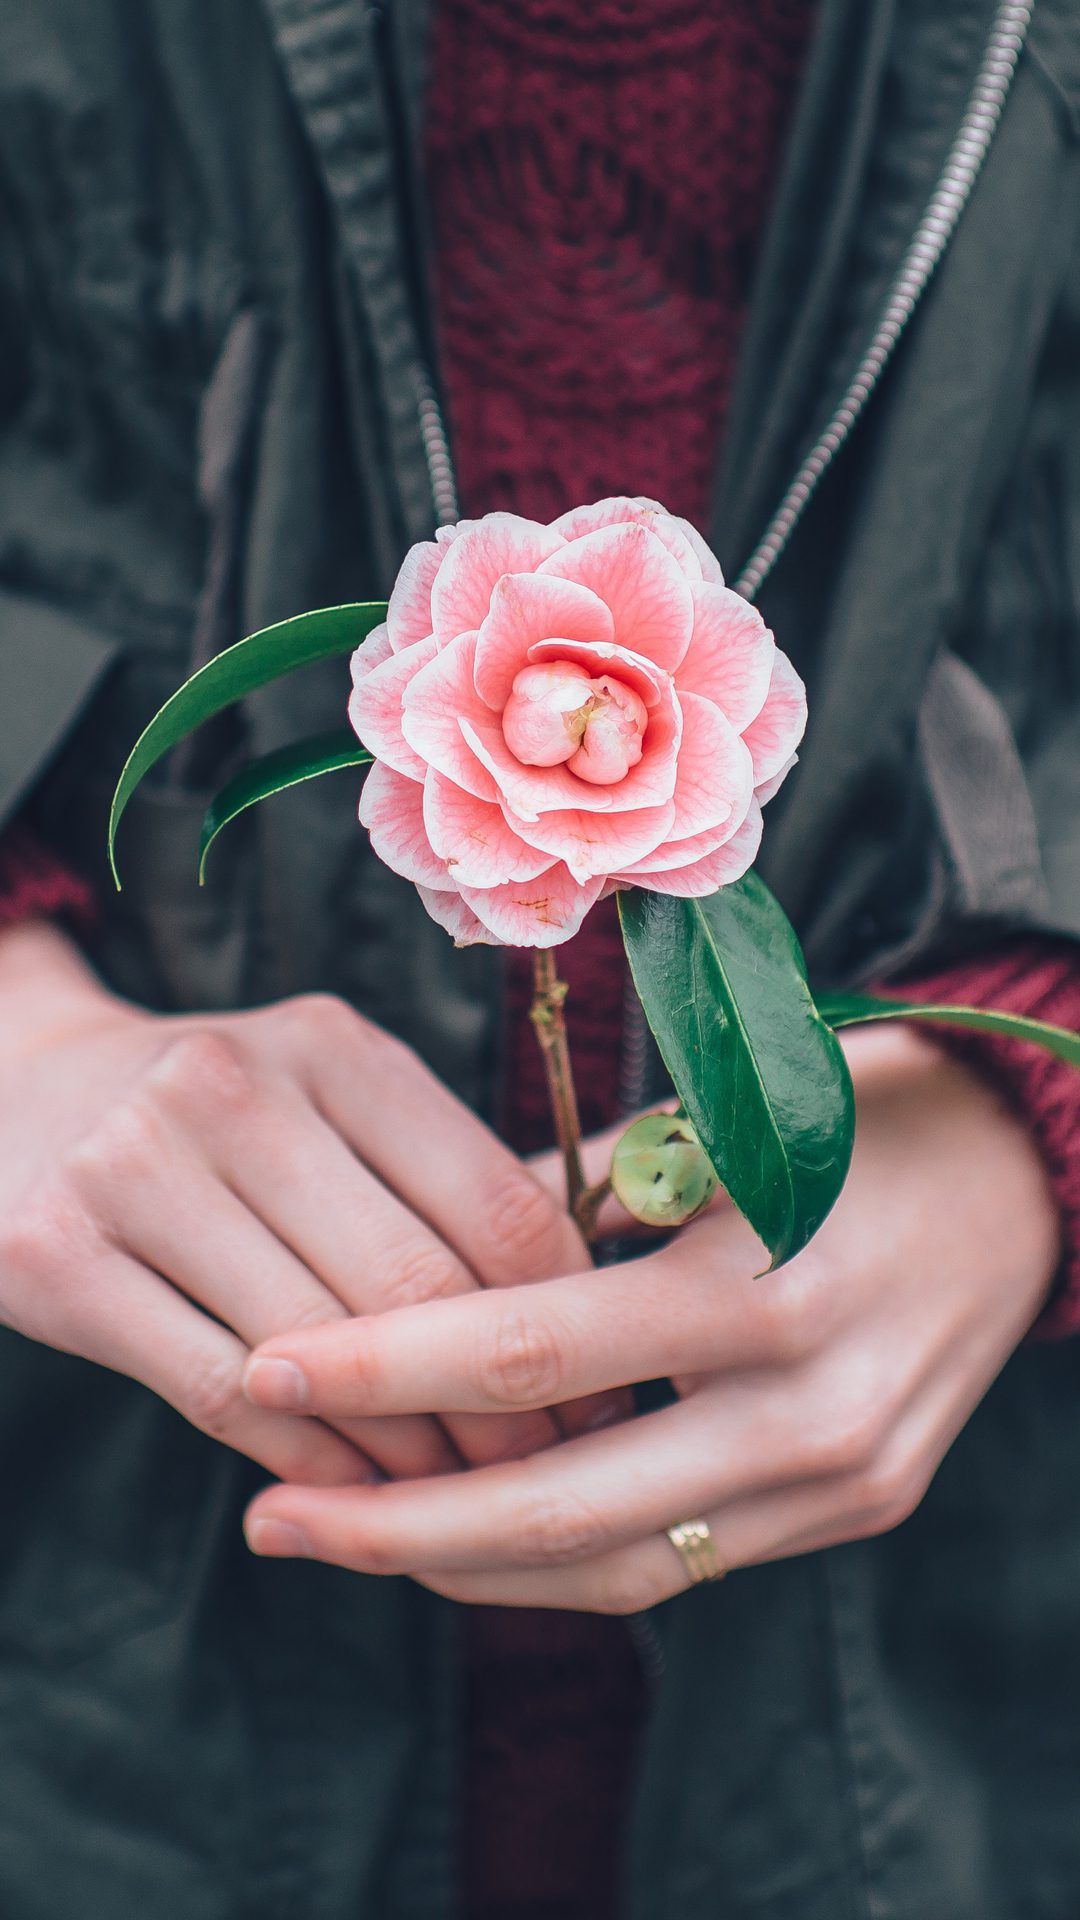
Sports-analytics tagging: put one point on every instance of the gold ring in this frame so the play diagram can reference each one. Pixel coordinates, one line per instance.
(696, 1548)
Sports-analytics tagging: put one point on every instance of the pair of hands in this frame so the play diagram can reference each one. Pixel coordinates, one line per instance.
(176, 1192)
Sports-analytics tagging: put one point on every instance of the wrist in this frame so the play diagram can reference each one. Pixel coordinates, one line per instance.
(47, 991)
(933, 1092)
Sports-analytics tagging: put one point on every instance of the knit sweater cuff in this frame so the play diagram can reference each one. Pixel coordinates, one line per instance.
(35, 885)
(1040, 978)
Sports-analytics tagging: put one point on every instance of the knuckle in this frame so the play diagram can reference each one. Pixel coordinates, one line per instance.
(520, 1364)
(44, 1245)
(38, 1238)
(323, 1016)
(556, 1531)
(125, 1147)
(888, 1494)
(214, 1398)
(795, 1307)
(202, 1072)
(526, 1235)
(850, 1437)
(625, 1590)
(413, 1275)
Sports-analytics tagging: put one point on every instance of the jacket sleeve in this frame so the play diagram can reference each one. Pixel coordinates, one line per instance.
(1040, 978)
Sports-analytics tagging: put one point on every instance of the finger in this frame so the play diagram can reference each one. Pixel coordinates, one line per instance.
(130, 1320)
(426, 1146)
(632, 1579)
(372, 1253)
(583, 1498)
(244, 1276)
(774, 1524)
(692, 1307)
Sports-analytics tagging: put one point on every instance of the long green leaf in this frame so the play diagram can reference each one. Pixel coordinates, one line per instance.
(305, 760)
(763, 1079)
(231, 675)
(854, 1009)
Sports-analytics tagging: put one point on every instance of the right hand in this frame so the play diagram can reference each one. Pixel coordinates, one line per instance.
(175, 1190)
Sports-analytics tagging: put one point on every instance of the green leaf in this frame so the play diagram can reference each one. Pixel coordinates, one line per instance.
(762, 1078)
(231, 675)
(305, 760)
(852, 1009)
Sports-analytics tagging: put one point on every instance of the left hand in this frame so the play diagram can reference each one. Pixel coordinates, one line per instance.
(815, 1404)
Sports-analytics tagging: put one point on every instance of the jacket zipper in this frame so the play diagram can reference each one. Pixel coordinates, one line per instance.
(931, 237)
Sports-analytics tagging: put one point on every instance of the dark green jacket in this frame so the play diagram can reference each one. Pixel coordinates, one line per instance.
(214, 359)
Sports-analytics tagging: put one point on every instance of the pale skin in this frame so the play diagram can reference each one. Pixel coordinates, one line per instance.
(815, 1405)
(174, 1192)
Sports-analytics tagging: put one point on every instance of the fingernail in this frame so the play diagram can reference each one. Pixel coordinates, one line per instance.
(279, 1539)
(279, 1384)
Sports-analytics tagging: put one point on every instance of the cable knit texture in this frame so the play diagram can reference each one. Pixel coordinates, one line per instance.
(1040, 978)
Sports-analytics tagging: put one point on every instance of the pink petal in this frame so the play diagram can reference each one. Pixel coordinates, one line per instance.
(642, 584)
(472, 836)
(531, 791)
(647, 681)
(774, 735)
(598, 843)
(536, 913)
(499, 543)
(392, 810)
(714, 781)
(622, 508)
(672, 854)
(371, 653)
(408, 614)
(707, 560)
(450, 911)
(714, 870)
(375, 709)
(526, 608)
(436, 701)
(768, 788)
(730, 657)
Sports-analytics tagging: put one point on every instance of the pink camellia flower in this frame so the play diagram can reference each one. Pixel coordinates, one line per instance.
(557, 711)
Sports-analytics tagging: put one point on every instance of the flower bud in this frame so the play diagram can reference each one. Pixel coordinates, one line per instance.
(660, 1171)
(544, 719)
(614, 731)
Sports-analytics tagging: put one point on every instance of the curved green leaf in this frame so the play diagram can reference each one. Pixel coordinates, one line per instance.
(854, 1009)
(761, 1076)
(305, 760)
(231, 675)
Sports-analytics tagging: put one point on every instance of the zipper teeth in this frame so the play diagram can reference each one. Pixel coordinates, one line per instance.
(436, 444)
(932, 236)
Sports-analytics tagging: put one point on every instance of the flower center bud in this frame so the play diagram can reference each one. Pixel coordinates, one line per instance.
(558, 714)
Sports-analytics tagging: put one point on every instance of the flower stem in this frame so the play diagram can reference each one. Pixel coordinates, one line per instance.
(546, 1014)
